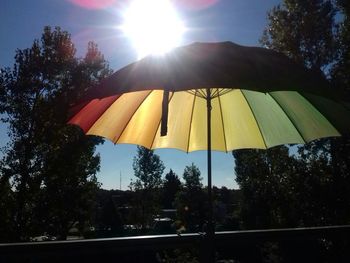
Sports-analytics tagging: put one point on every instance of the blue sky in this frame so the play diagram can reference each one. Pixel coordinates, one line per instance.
(240, 21)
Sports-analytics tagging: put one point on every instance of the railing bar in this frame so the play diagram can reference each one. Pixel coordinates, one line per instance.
(113, 246)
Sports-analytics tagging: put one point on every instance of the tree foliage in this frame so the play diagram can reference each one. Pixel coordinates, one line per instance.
(148, 169)
(171, 185)
(310, 187)
(192, 177)
(303, 30)
(341, 69)
(267, 182)
(51, 166)
(191, 201)
(307, 32)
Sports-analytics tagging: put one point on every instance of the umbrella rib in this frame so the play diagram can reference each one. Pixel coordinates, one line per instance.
(126, 125)
(201, 93)
(294, 124)
(214, 94)
(257, 123)
(223, 126)
(189, 130)
(155, 134)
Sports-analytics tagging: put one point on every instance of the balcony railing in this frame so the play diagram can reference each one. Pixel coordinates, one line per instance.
(244, 246)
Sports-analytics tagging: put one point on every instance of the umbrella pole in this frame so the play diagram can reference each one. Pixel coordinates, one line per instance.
(210, 227)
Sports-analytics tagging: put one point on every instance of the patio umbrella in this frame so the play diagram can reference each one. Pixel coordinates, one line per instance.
(213, 96)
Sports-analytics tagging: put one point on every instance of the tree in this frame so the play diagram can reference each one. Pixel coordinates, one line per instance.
(340, 147)
(284, 191)
(191, 201)
(341, 69)
(7, 209)
(148, 169)
(192, 177)
(306, 31)
(266, 181)
(171, 185)
(51, 166)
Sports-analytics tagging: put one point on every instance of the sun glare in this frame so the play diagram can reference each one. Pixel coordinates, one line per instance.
(152, 26)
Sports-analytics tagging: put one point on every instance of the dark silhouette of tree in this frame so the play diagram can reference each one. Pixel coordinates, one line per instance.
(307, 32)
(341, 69)
(171, 185)
(304, 31)
(226, 202)
(110, 220)
(7, 207)
(266, 181)
(191, 201)
(314, 185)
(112, 212)
(192, 177)
(51, 166)
(340, 147)
(148, 169)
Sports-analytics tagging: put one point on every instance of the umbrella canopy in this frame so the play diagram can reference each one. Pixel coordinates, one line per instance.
(240, 119)
(259, 99)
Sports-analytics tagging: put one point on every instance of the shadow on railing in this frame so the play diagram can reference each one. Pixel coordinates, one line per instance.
(315, 244)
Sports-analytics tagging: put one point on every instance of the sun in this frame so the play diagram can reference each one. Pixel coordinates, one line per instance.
(153, 26)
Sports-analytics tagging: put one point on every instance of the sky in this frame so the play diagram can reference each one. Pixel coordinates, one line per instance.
(239, 21)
